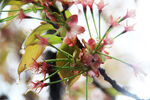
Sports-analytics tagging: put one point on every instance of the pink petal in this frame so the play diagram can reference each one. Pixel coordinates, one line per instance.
(76, 29)
(128, 28)
(101, 5)
(91, 73)
(92, 43)
(113, 22)
(69, 42)
(130, 13)
(74, 20)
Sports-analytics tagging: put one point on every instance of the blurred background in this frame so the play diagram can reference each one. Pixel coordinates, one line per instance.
(132, 47)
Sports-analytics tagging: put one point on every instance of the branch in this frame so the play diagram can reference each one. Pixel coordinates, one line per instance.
(98, 85)
(116, 86)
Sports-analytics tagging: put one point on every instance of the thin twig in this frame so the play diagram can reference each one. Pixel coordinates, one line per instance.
(98, 85)
(116, 86)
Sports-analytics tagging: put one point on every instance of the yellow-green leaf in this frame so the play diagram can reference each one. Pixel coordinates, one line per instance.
(67, 13)
(38, 31)
(64, 73)
(19, 3)
(31, 52)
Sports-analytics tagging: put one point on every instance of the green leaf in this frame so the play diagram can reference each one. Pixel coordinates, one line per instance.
(67, 73)
(38, 31)
(52, 39)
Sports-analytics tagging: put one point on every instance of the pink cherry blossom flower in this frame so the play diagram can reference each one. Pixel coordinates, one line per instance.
(38, 84)
(35, 66)
(101, 5)
(42, 41)
(73, 31)
(91, 73)
(113, 22)
(128, 28)
(108, 41)
(41, 67)
(22, 15)
(90, 3)
(92, 61)
(92, 43)
(129, 14)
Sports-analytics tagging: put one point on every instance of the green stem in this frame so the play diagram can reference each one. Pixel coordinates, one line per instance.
(12, 17)
(94, 22)
(86, 85)
(99, 26)
(45, 20)
(51, 75)
(64, 52)
(54, 72)
(15, 10)
(87, 24)
(118, 35)
(65, 79)
(55, 60)
(116, 59)
(99, 46)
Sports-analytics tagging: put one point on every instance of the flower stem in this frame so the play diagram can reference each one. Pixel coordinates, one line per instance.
(86, 85)
(118, 35)
(12, 17)
(45, 20)
(65, 79)
(116, 59)
(99, 26)
(62, 51)
(55, 60)
(51, 75)
(54, 72)
(99, 46)
(94, 22)
(15, 10)
(87, 24)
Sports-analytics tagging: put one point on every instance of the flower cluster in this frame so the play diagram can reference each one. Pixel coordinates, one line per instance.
(75, 56)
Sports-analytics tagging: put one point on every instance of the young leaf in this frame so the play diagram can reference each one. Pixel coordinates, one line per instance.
(38, 31)
(15, 2)
(32, 52)
(67, 13)
(64, 73)
(52, 39)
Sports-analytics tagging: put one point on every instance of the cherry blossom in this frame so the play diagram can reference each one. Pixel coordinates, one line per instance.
(108, 41)
(41, 67)
(38, 84)
(128, 28)
(101, 5)
(129, 14)
(72, 31)
(113, 22)
(22, 15)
